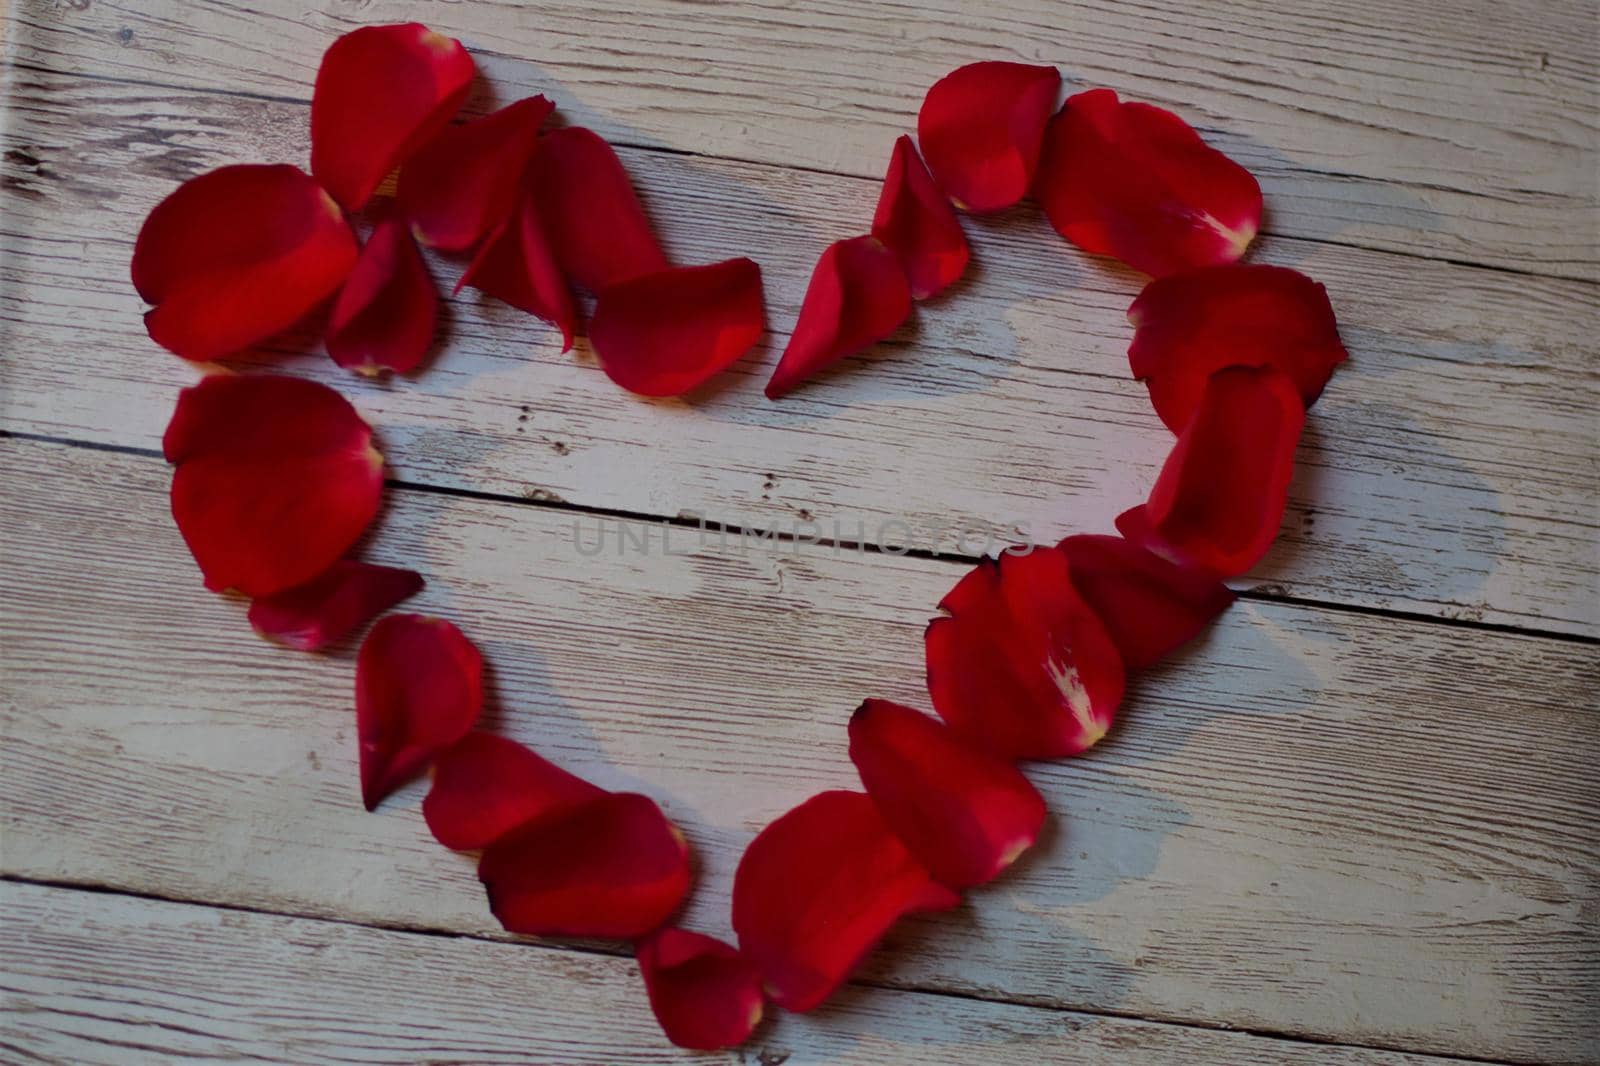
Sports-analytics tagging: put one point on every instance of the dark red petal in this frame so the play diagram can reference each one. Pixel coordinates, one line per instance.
(981, 128)
(464, 182)
(663, 333)
(1136, 182)
(276, 478)
(592, 215)
(385, 314)
(346, 596)
(1189, 325)
(419, 689)
(704, 993)
(611, 867)
(517, 265)
(915, 222)
(1220, 498)
(963, 813)
(1022, 666)
(236, 255)
(381, 92)
(1148, 605)
(858, 295)
(818, 888)
(484, 786)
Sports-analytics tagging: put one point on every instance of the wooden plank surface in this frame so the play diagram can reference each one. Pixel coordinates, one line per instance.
(1321, 823)
(104, 979)
(1450, 468)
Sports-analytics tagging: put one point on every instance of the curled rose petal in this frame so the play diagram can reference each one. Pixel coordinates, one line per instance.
(1021, 665)
(1148, 605)
(915, 222)
(703, 992)
(595, 222)
(419, 689)
(516, 265)
(464, 182)
(1220, 498)
(663, 333)
(381, 92)
(818, 888)
(344, 597)
(981, 128)
(1189, 325)
(485, 785)
(610, 867)
(236, 255)
(385, 314)
(276, 478)
(858, 295)
(1136, 182)
(963, 813)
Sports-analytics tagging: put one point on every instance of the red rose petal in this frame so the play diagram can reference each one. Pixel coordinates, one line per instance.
(663, 333)
(419, 689)
(704, 993)
(385, 314)
(858, 295)
(517, 265)
(347, 595)
(1219, 500)
(276, 478)
(1148, 605)
(595, 222)
(236, 255)
(464, 182)
(963, 813)
(611, 867)
(915, 222)
(484, 786)
(1189, 325)
(1136, 182)
(981, 128)
(1022, 666)
(381, 92)
(818, 888)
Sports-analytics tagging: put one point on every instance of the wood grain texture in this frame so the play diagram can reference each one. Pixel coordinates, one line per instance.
(1450, 129)
(93, 978)
(1321, 823)
(1450, 468)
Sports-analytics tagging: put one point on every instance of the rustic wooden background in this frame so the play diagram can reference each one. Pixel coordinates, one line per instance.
(1356, 825)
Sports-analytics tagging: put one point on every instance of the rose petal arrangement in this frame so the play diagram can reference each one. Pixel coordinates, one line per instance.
(276, 478)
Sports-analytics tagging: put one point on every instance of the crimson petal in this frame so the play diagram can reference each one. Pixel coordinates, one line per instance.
(419, 689)
(1189, 325)
(1021, 665)
(609, 867)
(1220, 498)
(1148, 605)
(381, 92)
(981, 128)
(385, 314)
(858, 295)
(464, 182)
(663, 333)
(517, 265)
(963, 813)
(346, 596)
(704, 993)
(236, 255)
(1137, 182)
(595, 222)
(915, 222)
(276, 478)
(485, 785)
(817, 888)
